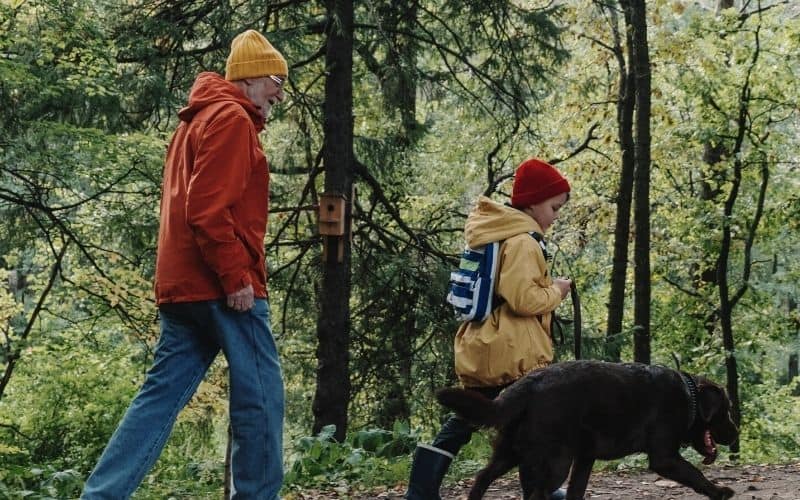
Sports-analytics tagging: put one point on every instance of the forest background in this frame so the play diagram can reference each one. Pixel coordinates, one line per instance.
(676, 122)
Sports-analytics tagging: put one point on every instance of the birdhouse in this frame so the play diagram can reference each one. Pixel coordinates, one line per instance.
(331, 214)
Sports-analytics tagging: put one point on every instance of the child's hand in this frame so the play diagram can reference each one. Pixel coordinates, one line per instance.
(564, 285)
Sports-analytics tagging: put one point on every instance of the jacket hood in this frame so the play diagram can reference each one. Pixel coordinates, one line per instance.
(491, 221)
(210, 88)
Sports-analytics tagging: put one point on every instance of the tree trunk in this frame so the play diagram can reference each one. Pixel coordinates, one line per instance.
(332, 395)
(622, 228)
(726, 301)
(726, 306)
(401, 61)
(397, 72)
(642, 285)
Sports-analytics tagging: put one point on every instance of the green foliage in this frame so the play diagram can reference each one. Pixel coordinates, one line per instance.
(72, 401)
(175, 477)
(89, 89)
(39, 483)
(770, 422)
(63, 409)
(369, 456)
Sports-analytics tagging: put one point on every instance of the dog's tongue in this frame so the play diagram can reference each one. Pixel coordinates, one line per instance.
(710, 448)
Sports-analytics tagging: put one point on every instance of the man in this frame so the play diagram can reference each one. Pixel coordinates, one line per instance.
(211, 283)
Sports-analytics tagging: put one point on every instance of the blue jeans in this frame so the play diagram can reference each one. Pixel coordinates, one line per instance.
(191, 336)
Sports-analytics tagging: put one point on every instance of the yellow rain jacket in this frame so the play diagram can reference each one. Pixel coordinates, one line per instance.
(516, 337)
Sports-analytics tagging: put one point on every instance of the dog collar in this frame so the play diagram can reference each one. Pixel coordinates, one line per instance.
(691, 389)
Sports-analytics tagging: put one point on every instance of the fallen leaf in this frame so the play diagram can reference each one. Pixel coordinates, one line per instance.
(666, 483)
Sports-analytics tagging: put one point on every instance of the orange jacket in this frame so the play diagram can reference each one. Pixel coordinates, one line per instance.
(215, 198)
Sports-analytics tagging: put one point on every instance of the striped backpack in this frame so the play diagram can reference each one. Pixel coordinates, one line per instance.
(471, 291)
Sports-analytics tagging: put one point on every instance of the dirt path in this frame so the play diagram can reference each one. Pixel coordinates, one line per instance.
(775, 482)
(750, 482)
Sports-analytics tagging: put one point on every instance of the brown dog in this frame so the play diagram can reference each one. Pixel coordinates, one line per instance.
(572, 413)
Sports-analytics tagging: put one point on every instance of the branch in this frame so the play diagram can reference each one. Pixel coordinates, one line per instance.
(751, 235)
(363, 173)
(584, 146)
(309, 190)
(445, 51)
(554, 161)
(742, 123)
(15, 430)
(12, 359)
(687, 291)
(598, 42)
(493, 183)
(292, 281)
(746, 15)
(313, 57)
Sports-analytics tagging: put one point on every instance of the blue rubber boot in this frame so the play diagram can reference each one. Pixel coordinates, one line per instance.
(427, 471)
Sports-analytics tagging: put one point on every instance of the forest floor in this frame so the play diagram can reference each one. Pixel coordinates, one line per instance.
(751, 482)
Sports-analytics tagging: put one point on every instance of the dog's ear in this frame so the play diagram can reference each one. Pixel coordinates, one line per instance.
(710, 400)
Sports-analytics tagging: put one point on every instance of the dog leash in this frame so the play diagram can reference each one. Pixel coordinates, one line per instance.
(691, 389)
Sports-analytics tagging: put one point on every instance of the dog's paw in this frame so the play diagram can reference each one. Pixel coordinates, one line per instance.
(724, 493)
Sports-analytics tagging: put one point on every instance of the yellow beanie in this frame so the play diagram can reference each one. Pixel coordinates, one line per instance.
(252, 56)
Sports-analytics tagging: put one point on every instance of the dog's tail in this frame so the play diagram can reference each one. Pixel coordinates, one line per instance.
(472, 406)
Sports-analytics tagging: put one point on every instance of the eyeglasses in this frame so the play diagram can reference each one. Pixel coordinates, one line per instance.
(278, 80)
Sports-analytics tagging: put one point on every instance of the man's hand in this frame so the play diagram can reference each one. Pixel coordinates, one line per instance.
(242, 300)
(564, 285)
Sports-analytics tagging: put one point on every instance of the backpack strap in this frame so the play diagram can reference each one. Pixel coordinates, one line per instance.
(555, 321)
(540, 239)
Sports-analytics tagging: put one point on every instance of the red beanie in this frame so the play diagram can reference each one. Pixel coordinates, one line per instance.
(536, 181)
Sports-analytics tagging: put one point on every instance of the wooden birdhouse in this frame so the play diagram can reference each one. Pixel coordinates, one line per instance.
(331, 214)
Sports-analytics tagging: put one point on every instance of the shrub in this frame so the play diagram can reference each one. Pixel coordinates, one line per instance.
(370, 456)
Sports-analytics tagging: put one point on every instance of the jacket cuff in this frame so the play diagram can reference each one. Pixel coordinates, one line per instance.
(557, 297)
(234, 282)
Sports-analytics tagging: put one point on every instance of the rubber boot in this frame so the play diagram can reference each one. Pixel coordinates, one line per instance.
(427, 471)
(559, 494)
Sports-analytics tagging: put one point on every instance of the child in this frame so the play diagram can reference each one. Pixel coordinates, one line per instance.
(515, 339)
